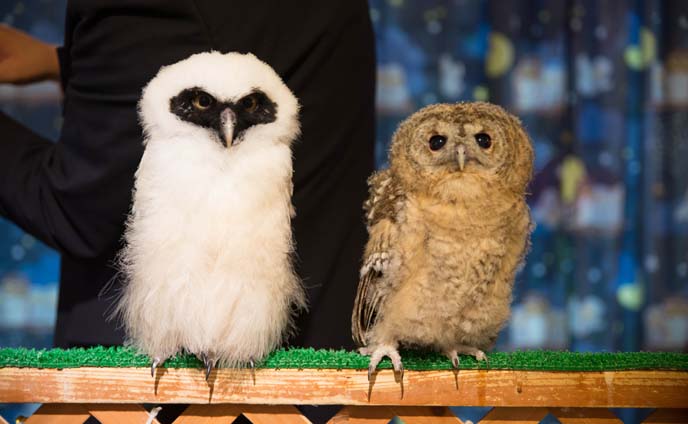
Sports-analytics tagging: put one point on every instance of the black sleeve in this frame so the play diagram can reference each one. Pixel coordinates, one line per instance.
(42, 190)
(74, 194)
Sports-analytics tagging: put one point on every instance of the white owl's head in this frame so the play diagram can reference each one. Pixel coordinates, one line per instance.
(227, 98)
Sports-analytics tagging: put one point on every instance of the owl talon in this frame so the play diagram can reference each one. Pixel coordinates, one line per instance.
(453, 355)
(154, 365)
(478, 354)
(376, 355)
(208, 364)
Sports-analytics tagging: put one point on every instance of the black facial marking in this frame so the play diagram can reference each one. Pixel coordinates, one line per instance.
(186, 106)
(253, 109)
(200, 108)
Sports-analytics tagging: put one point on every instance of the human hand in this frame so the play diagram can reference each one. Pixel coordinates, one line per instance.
(25, 59)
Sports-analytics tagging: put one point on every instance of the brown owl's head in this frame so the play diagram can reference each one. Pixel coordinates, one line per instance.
(454, 148)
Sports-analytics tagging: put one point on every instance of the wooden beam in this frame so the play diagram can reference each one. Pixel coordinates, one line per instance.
(120, 413)
(362, 415)
(514, 416)
(226, 413)
(59, 414)
(268, 414)
(208, 414)
(668, 416)
(585, 416)
(620, 389)
(383, 414)
(425, 414)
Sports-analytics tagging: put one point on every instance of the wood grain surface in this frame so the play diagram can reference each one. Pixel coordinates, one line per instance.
(644, 389)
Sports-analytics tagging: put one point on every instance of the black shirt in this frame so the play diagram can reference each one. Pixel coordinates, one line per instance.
(75, 194)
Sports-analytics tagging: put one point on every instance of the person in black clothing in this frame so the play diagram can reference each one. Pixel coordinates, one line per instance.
(74, 195)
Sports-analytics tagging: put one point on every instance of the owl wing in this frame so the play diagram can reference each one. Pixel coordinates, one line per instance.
(382, 208)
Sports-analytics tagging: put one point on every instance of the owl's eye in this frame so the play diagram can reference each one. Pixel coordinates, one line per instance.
(249, 103)
(483, 140)
(437, 142)
(202, 101)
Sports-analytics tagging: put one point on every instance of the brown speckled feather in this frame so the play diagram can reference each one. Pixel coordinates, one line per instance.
(382, 208)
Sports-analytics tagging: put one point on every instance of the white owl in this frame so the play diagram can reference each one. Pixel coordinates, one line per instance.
(207, 259)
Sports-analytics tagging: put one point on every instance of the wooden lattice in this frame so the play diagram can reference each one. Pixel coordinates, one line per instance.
(263, 414)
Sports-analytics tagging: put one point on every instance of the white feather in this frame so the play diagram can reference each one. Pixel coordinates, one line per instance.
(208, 243)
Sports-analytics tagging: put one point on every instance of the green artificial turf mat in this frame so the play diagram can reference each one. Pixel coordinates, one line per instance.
(339, 359)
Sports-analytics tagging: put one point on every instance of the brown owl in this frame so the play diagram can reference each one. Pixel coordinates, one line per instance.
(448, 229)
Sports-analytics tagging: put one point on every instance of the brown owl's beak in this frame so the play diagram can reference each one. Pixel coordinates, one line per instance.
(461, 156)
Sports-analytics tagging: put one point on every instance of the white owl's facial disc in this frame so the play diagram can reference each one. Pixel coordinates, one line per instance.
(229, 119)
(219, 98)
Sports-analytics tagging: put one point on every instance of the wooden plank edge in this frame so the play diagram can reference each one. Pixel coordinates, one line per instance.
(620, 389)
(120, 413)
(668, 416)
(59, 414)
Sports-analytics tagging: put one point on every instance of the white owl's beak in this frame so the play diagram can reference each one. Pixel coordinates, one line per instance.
(461, 156)
(228, 120)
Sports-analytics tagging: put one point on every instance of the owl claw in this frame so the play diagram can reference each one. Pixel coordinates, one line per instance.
(208, 364)
(154, 365)
(478, 354)
(376, 355)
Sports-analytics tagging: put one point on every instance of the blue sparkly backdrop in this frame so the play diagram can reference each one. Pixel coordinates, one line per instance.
(28, 269)
(602, 88)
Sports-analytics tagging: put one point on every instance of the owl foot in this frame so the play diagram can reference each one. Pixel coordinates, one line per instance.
(453, 354)
(156, 362)
(380, 352)
(208, 363)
